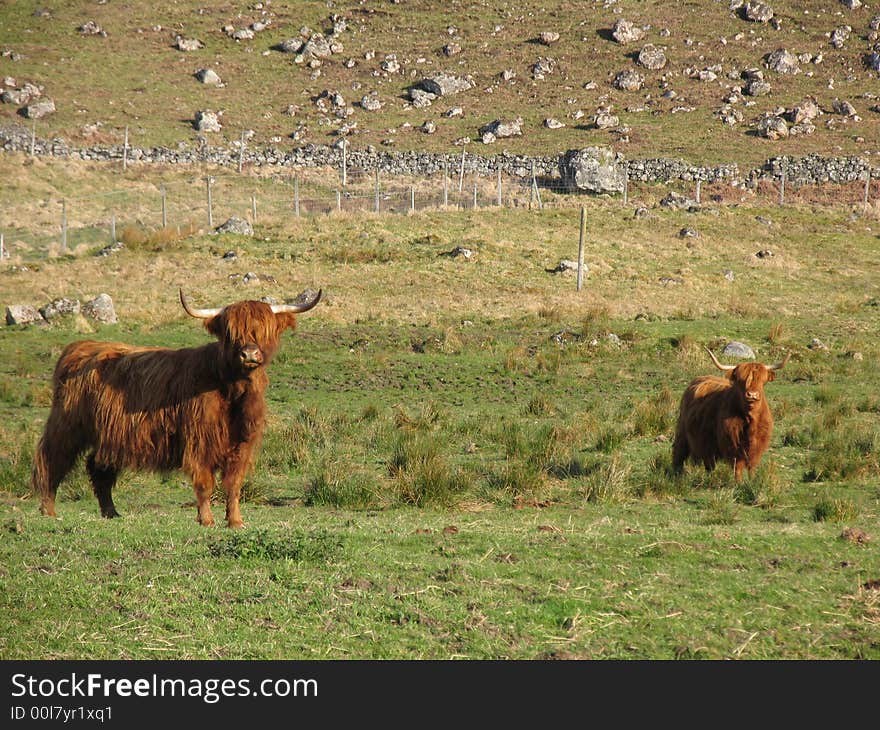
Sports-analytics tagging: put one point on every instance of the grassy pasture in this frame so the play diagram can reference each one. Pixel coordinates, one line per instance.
(440, 478)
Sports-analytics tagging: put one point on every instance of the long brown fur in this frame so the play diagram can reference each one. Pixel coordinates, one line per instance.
(196, 409)
(717, 423)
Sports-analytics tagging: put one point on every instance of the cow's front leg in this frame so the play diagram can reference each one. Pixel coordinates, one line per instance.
(233, 476)
(203, 485)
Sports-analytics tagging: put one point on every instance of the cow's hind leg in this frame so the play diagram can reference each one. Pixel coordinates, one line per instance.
(52, 461)
(680, 453)
(103, 478)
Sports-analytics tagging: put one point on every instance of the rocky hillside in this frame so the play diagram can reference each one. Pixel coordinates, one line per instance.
(709, 81)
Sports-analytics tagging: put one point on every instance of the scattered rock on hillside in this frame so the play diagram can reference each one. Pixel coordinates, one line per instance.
(758, 12)
(371, 102)
(677, 201)
(428, 127)
(817, 345)
(628, 80)
(688, 232)
(874, 61)
(844, 108)
(22, 314)
(304, 297)
(604, 119)
(444, 84)
(187, 44)
(840, 35)
(100, 309)
(805, 111)
(92, 28)
(553, 123)
(548, 37)
(60, 307)
(236, 225)
(772, 127)
(290, 45)
(421, 98)
(764, 253)
(757, 87)
(738, 349)
(626, 32)
(652, 57)
(209, 77)
(451, 49)
(503, 128)
(39, 109)
(459, 252)
(593, 169)
(783, 61)
(565, 266)
(207, 121)
(543, 67)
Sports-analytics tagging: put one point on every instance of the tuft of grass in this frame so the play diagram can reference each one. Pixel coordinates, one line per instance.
(427, 418)
(721, 508)
(845, 454)
(761, 489)
(777, 333)
(656, 414)
(834, 510)
(516, 479)
(336, 484)
(263, 543)
(539, 405)
(422, 476)
(610, 482)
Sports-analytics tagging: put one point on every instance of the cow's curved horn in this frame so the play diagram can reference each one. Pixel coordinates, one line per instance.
(198, 313)
(780, 365)
(298, 308)
(725, 368)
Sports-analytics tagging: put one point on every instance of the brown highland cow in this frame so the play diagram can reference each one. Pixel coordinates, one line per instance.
(199, 409)
(725, 419)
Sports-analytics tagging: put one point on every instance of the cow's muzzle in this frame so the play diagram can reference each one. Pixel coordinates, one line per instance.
(251, 356)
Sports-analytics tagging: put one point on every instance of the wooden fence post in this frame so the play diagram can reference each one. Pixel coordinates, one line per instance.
(412, 199)
(344, 162)
(338, 201)
(580, 274)
(446, 184)
(536, 193)
(498, 197)
(113, 228)
(376, 207)
(867, 190)
(296, 196)
(475, 196)
(33, 137)
(125, 151)
(64, 225)
(2, 249)
(253, 208)
(625, 186)
(210, 204)
(461, 173)
(241, 152)
(164, 208)
(782, 187)
(698, 191)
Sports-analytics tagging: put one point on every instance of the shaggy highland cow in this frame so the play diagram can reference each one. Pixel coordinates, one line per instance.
(199, 409)
(726, 419)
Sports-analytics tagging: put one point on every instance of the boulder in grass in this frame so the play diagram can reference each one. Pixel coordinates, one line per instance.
(236, 225)
(738, 349)
(22, 314)
(60, 307)
(100, 309)
(593, 169)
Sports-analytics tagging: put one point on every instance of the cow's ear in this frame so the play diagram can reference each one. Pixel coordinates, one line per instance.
(215, 325)
(285, 320)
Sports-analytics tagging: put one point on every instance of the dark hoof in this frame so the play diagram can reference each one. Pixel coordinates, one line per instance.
(110, 514)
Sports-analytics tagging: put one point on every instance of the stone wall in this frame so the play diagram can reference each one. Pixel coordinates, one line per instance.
(811, 169)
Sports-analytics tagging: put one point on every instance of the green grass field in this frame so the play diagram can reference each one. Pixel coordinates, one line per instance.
(440, 478)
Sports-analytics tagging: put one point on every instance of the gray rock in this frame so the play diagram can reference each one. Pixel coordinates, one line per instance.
(874, 61)
(757, 87)
(488, 138)
(22, 314)
(236, 225)
(39, 108)
(688, 232)
(451, 49)
(243, 34)
(843, 107)
(552, 123)
(676, 201)
(548, 37)
(652, 57)
(92, 28)
(187, 44)
(428, 127)
(758, 12)
(817, 345)
(840, 35)
(565, 265)
(543, 67)
(371, 103)
(503, 128)
(783, 61)
(851, 4)
(628, 80)
(100, 309)
(605, 119)
(593, 169)
(291, 45)
(208, 77)
(728, 274)
(738, 349)
(60, 307)
(207, 121)
(444, 84)
(772, 127)
(421, 98)
(805, 111)
(390, 64)
(626, 32)
(304, 297)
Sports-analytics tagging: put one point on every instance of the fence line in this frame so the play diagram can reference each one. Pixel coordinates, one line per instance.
(92, 219)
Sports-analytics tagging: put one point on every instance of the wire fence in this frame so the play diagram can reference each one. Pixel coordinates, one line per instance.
(179, 207)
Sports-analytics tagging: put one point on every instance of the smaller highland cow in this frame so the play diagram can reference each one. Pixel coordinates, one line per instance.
(725, 419)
